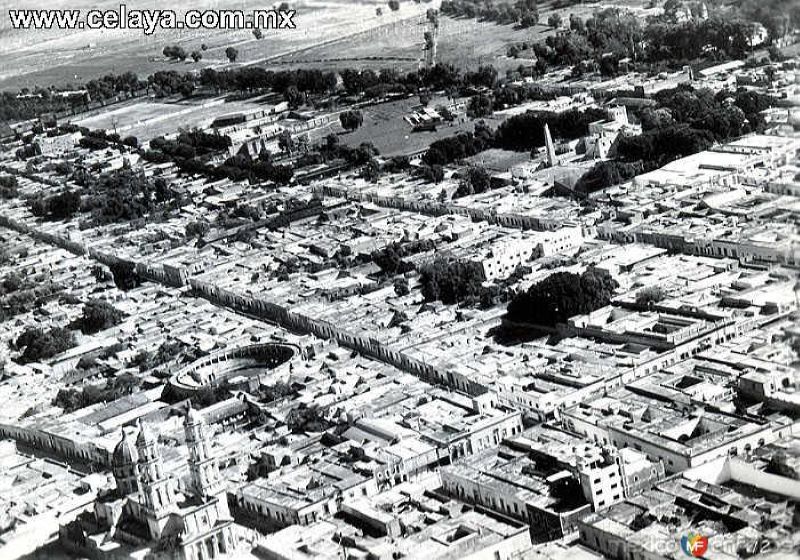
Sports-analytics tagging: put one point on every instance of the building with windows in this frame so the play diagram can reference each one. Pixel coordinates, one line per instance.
(148, 513)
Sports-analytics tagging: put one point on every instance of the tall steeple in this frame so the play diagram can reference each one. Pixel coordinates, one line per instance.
(157, 489)
(205, 479)
(551, 150)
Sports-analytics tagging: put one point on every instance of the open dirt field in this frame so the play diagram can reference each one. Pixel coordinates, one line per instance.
(499, 160)
(146, 119)
(466, 43)
(331, 34)
(463, 42)
(30, 58)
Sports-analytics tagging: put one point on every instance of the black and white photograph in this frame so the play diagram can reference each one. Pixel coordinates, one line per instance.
(400, 280)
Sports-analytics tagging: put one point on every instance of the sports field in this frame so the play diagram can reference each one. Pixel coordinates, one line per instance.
(386, 128)
(147, 119)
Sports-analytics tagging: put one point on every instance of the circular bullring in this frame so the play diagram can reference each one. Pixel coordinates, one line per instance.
(218, 367)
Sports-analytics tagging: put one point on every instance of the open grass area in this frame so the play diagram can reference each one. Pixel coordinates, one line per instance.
(385, 127)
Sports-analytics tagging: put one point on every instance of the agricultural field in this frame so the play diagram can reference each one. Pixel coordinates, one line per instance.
(330, 34)
(463, 42)
(467, 43)
(62, 57)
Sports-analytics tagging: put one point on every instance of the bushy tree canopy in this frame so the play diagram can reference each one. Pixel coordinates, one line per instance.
(97, 316)
(562, 295)
(40, 344)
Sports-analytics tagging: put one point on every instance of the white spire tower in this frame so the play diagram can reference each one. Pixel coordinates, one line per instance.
(551, 150)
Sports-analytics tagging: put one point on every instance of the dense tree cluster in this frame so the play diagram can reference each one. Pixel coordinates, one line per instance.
(524, 13)
(125, 275)
(401, 289)
(123, 195)
(254, 78)
(690, 40)
(240, 167)
(724, 115)
(197, 228)
(685, 121)
(510, 95)
(59, 206)
(97, 315)
(371, 172)
(28, 104)
(605, 174)
(351, 120)
(113, 84)
(662, 145)
(354, 155)
(526, 131)
(475, 181)
(11, 283)
(171, 82)
(209, 395)
(480, 106)
(432, 173)
(305, 418)
(485, 76)
(95, 139)
(562, 295)
(451, 281)
(778, 16)
(25, 105)
(166, 352)
(367, 82)
(189, 144)
(40, 344)
(612, 34)
(279, 390)
(462, 145)
(649, 295)
(391, 261)
(71, 399)
(175, 52)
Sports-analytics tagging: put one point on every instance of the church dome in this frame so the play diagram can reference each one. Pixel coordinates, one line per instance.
(125, 452)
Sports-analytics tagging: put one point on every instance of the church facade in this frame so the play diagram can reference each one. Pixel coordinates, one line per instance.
(147, 512)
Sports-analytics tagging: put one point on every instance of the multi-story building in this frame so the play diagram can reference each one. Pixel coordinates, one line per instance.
(147, 512)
